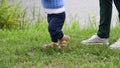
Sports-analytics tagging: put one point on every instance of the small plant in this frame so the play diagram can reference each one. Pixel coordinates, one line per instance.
(11, 16)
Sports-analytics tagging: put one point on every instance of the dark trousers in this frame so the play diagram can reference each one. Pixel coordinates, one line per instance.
(56, 22)
(105, 16)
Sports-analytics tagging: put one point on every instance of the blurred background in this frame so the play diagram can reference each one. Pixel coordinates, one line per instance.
(80, 10)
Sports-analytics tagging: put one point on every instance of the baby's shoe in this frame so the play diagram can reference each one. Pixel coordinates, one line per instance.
(64, 41)
(51, 45)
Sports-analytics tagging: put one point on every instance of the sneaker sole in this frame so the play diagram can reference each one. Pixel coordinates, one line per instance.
(114, 47)
(95, 43)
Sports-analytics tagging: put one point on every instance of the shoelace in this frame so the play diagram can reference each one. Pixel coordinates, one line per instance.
(94, 36)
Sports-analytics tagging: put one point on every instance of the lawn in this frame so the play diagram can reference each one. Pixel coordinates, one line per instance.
(22, 48)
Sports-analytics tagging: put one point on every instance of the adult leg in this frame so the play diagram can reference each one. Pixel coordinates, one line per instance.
(117, 4)
(105, 18)
(116, 45)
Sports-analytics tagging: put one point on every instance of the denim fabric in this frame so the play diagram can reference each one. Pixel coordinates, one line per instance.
(55, 24)
(105, 16)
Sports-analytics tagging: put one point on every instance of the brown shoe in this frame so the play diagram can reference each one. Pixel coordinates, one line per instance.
(51, 45)
(64, 41)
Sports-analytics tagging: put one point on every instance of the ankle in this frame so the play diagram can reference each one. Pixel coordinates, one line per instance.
(55, 43)
(102, 37)
(65, 38)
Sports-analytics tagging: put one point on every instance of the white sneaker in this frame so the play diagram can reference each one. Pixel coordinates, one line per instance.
(116, 45)
(95, 40)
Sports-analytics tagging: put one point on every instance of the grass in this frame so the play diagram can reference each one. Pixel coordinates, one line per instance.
(12, 16)
(23, 49)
